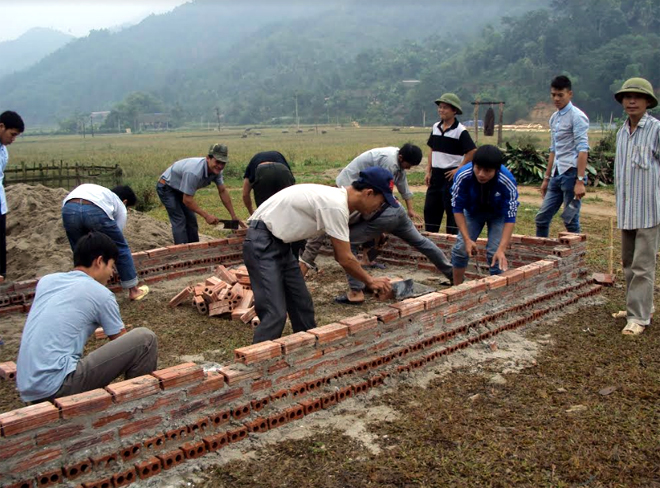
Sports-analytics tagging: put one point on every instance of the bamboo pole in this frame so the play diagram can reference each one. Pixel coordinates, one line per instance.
(611, 267)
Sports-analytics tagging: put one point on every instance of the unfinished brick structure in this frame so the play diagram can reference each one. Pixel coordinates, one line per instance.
(135, 429)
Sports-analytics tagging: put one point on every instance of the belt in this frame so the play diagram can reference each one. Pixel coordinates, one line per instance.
(162, 181)
(81, 201)
(258, 224)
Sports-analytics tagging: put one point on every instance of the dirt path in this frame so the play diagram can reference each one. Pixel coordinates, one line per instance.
(596, 202)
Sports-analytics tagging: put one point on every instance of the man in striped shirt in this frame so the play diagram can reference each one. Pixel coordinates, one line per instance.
(637, 179)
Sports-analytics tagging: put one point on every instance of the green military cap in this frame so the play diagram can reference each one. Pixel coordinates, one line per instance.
(637, 85)
(451, 99)
(219, 152)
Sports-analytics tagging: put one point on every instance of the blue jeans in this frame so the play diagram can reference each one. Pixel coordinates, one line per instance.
(183, 220)
(80, 219)
(395, 221)
(560, 190)
(475, 224)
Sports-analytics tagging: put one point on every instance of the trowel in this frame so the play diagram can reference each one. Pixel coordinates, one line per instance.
(229, 224)
(408, 289)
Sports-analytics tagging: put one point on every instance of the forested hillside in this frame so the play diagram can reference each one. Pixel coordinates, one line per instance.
(344, 59)
(29, 49)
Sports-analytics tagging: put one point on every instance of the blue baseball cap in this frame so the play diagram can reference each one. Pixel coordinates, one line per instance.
(380, 179)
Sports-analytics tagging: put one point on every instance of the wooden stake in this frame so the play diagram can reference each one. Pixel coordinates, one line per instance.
(611, 245)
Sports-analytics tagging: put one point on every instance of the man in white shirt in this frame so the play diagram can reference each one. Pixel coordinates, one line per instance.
(301, 212)
(92, 207)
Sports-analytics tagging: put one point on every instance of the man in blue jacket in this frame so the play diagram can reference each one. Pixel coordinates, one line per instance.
(484, 193)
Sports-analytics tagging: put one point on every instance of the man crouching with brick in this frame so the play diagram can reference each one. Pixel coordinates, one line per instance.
(66, 310)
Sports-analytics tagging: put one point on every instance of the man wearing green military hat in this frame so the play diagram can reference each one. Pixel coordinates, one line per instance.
(177, 186)
(637, 179)
(451, 147)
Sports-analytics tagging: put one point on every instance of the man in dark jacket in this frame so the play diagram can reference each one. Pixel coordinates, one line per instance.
(484, 193)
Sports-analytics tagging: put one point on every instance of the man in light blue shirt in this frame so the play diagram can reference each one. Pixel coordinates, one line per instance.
(67, 308)
(565, 176)
(11, 125)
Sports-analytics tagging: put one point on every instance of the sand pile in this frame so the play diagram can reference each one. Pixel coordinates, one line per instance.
(36, 241)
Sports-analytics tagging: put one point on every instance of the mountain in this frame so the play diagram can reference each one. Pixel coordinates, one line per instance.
(211, 53)
(30, 48)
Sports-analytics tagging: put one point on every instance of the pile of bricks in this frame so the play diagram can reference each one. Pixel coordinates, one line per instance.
(227, 292)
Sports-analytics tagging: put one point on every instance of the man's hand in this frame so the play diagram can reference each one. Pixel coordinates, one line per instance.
(242, 224)
(544, 187)
(413, 215)
(211, 219)
(470, 247)
(381, 286)
(304, 269)
(427, 179)
(450, 174)
(579, 190)
(500, 258)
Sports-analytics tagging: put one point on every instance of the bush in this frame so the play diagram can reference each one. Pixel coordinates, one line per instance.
(147, 198)
(525, 163)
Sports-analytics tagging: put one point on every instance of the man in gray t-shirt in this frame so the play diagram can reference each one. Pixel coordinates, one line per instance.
(177, 186)
(66, 310)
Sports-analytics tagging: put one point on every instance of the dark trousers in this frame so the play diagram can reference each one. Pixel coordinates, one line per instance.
(3, 245)
(438, 202)
(278, 285)
(183, 220)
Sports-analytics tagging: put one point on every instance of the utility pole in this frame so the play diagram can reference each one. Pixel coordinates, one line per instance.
(91, 124)
(217, 114)
(297, 119)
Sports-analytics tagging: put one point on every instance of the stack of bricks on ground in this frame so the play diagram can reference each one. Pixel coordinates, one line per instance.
(226, 292)
(136, 428)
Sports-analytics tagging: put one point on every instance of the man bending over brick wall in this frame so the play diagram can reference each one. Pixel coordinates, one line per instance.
(66, 310)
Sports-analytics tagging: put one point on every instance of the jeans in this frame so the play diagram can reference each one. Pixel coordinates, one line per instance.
(475, 224)
(80, 219)
(395, 221)
(183, 220)
(560, 190)
(438, 202)
(3, 245)
(278, 285)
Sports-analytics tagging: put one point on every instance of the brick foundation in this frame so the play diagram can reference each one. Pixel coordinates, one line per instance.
(136, 429)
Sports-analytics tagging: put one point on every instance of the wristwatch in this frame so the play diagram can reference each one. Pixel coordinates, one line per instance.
(581, 178)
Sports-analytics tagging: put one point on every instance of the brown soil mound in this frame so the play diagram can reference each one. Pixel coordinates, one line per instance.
(36, 241)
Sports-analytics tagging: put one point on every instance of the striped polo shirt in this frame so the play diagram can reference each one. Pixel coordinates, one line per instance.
(449, 146)
(637, 175)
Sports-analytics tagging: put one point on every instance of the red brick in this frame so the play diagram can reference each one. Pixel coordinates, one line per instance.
(165, 400)
(261, 385)
(133, 389)
(193, 450)
(37, 459)
(215, 442)
(234, 376)
(530, 270)
(433, 300)
(456, 292)
(513, 276)
(279, 395)
(281, 364)
(11, 309)
(214, 381)
(18, 445)
(49, 478)
(150, 467)
(201, 305)
(181, 297)
(90, 441)
(495, 282)
(58, 433)
(329, 333)
(237, 435)
(158, 252)
(227, 396)
(360, 323)
(100, 483)
(129, 452)
(258, 425)
(8, 370)
(28, 418)
(409, 306)
(178, 375)
(84, 403)
(199, 426)
(154, 442)
(311, 406)
(108, 461)
(124, 478)
(295, 412)
(226, 275)
(240, 411)
(74, 471)
(188, 408)
(177, 434)
(257, 353)
(603, 278)
(386, 314)
(277, 420)
(475, 286)
(139, 425)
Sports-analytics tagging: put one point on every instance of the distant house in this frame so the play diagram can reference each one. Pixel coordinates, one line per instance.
(157, 121)
(99, 117)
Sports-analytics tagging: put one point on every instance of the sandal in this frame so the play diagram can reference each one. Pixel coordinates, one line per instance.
(145, 291)
(633, 328)
(621, 314)
(343, 300)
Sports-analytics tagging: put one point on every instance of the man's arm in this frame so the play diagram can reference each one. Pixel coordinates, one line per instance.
(351, 265)
(581, 138)
(189, 201)
(247, 198)
(466, 159)
(427, 176)
(548, 173)
(461, 223)
(118, 334)
(499, 257)
(580, 189)
(226, 201)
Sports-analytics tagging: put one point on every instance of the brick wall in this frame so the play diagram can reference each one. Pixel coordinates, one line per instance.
(137, 428)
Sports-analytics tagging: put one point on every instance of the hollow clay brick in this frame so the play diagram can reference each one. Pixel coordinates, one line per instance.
(386, 314)
(133, 389)
(256, 353)
(329, 333)
(233, 375)
(296, 341)
(178, 375)
(74, 471)
(148, 468)
(215, 442)
(49, 478)
(8, 370)
(28, 418)
(181, 297)
(225, 275)
(83, 403)
(192, 450)
(359, 323)
(213, 381)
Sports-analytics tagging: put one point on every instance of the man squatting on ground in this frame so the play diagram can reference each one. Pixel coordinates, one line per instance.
(300, 212)
(92, 207)
(267, 173)
(565, 177)
(11, 125)
(177, 186)
(66, 310)
(451, 147)
(637, 185)
(392, 219)
(484, 193)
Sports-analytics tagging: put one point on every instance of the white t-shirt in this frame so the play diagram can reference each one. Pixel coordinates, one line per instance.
(103, 198)
(304, 211)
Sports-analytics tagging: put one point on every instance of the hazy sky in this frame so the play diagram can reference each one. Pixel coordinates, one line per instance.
(75, 17)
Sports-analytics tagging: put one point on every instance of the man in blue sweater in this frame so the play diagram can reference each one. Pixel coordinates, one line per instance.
(484, 193)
